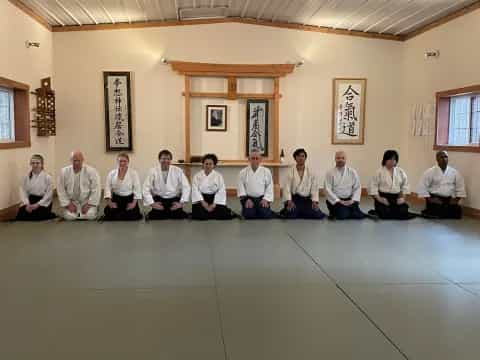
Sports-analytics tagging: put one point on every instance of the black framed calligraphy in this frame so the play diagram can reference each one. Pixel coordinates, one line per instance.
(257, 126)
(118, 111)
(348, 119)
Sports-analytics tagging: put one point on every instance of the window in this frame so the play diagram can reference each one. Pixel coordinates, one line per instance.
(458, 120)
(7, 115)
(14, 114)
(464, 120)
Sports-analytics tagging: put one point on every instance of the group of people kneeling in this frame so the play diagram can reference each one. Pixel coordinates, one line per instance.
(166, 190)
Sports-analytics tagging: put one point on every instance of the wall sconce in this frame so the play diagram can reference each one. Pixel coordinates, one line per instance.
(29, 44)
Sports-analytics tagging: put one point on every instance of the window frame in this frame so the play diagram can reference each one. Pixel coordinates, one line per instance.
(442, 120)
(21, 112)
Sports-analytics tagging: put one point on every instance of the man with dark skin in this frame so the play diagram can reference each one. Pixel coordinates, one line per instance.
(442, 187)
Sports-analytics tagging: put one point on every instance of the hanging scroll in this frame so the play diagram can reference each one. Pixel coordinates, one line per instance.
(348, 121)
(118, 111)
(257, 126)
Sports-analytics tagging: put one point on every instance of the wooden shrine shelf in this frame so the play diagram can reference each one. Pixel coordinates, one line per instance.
(230, 96)
(227, 70)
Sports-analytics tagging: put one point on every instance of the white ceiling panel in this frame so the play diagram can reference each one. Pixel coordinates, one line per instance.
(397, 17)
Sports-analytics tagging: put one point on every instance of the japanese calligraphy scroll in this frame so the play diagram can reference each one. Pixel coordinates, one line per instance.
(348, 123)
(118, 111)
(257, 126)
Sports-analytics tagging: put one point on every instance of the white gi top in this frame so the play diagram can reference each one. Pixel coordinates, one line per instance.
(176, 185)
(212, 183)
(40, 184)
(386, 183)
(342, 184)
(306, 186)
(129, 185)
(90, 190)
(257, 183)
(447, 184)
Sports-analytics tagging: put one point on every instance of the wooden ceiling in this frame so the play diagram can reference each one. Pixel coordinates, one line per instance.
(390, 19)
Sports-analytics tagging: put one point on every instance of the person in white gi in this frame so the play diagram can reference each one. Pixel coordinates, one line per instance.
(166, 190)
(301, 191)
(388, 187)
(343, 190)
(209, 196)
(36, 193)
(442, 187)
(122, 192)
(79, 189)
(255, 189)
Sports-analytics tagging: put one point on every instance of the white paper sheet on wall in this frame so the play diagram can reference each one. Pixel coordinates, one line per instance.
(423, 120)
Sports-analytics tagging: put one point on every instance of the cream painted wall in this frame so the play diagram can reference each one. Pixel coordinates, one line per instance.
(80, 58)
(457, 66)
(228, 145)
(27, 66)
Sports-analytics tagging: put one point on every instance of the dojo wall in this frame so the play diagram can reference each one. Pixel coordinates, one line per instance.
(80, 58)
(458, 66)
(27, 66)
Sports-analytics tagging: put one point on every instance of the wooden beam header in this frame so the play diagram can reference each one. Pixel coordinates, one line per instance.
(228, 70)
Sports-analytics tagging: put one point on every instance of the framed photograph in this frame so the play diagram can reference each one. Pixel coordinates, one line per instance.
(216, 119)
(257, 126)
(118, 111)
(348, 120)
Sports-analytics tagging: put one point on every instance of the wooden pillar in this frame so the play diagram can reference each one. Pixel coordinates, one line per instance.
(187, 125)
(232, 88)
(276, 133)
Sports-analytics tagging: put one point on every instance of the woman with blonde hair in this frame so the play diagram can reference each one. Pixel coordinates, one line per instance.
(122, 192)
(36, 193)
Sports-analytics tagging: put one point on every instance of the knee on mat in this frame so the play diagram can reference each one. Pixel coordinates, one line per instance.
(264, 213)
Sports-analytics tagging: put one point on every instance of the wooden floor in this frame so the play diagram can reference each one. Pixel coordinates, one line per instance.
(238, 290)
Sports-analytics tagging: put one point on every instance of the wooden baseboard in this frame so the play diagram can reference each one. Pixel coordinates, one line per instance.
(471, 212)
(413, 198)
(9, 213)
